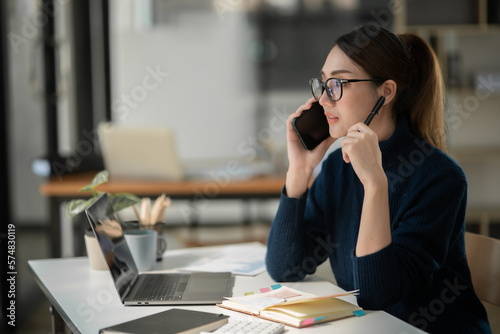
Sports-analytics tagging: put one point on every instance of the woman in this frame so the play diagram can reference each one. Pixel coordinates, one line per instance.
(387, 208)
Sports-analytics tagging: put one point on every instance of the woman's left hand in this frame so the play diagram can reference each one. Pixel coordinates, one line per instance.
(360, 148)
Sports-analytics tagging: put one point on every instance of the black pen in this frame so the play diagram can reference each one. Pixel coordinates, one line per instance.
(375, 110)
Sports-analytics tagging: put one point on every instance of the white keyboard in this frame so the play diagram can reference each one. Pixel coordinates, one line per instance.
(249, 327)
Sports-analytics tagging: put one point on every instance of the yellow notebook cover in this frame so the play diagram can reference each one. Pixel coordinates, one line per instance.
(293, 307)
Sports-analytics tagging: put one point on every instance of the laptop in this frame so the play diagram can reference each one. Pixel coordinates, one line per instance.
(140, 153)
(150, 288)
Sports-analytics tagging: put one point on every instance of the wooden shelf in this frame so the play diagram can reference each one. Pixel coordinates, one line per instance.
(461, 29)
(445, 38)
(468, 91)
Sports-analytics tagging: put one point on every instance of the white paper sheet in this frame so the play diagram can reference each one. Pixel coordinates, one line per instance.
(245, 259)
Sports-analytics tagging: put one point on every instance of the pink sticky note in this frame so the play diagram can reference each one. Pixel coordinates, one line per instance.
(264, 290)
(308, 321)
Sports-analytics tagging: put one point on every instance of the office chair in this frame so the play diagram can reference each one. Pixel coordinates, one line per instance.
(483, 256)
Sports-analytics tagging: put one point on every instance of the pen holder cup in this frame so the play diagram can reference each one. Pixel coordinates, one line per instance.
(158, 227)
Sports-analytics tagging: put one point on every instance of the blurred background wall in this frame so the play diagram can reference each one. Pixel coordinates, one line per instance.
(225, 74)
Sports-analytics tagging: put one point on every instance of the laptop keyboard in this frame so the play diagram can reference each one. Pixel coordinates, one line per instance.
(161, 287)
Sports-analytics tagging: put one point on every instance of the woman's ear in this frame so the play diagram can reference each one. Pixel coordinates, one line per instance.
(388, 89)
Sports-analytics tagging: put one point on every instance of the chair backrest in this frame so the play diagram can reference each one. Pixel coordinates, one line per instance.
(483, 256)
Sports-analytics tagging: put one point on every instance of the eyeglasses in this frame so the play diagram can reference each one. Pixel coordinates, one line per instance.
(333, 86)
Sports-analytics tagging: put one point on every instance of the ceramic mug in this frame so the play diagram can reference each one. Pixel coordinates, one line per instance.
(161, 247)
(144, 246)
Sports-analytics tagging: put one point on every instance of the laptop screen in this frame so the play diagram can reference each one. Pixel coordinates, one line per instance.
(109, 234)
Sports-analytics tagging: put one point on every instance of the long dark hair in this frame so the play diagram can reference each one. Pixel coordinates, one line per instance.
(412, 64)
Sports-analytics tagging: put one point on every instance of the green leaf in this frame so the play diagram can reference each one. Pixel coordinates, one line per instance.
(123, 200)
(100, 178)
(76, 206)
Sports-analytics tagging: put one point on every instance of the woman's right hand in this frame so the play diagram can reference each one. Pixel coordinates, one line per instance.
(302, 162)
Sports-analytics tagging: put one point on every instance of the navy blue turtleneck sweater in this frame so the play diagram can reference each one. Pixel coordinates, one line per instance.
(422, 277)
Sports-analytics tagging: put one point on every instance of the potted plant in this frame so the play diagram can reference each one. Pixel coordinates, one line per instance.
(75, 207)
(118, 201)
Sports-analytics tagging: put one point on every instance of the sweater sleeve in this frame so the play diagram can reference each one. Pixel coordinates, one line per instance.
(421, 239)
(295, 241)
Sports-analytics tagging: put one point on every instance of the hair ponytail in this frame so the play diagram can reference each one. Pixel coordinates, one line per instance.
(412, 64)
(425, 97)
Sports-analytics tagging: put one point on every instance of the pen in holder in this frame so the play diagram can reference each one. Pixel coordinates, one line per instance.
(151, 217)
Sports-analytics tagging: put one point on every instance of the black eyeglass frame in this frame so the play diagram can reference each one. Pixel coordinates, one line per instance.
(342, 82)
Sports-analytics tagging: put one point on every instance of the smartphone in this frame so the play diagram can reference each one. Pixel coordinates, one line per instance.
(311, 126)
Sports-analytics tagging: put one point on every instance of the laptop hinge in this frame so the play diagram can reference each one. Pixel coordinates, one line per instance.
(129, 288)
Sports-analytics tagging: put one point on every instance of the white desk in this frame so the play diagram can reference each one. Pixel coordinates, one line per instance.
(87, 301)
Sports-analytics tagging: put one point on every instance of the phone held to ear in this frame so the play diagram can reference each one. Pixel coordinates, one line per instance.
(312, 126)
